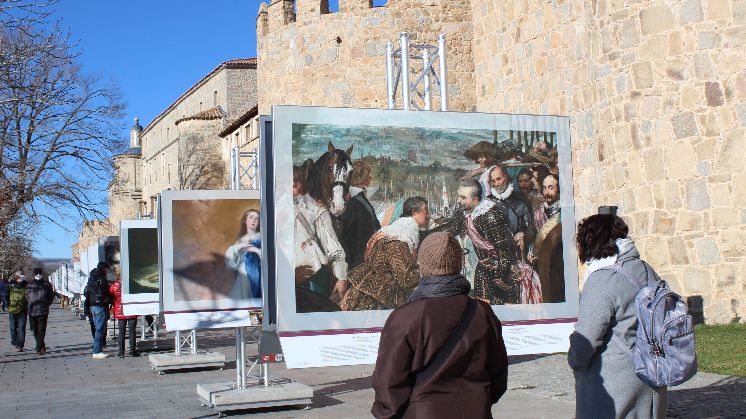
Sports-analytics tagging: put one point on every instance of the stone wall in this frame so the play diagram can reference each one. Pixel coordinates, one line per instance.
(338, 59)
(655, 91)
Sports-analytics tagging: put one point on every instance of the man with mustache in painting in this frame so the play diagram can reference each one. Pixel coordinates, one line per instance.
(546, 251)
(498, 188)
(485, 224)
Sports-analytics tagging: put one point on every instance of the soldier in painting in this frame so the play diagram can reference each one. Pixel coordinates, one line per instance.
(389, 273)
(546, 251)
(484, 222)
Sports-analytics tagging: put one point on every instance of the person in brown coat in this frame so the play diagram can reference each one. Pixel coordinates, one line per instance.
(441, 355)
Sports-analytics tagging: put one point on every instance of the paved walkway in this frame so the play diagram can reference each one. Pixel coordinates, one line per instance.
(68, 383)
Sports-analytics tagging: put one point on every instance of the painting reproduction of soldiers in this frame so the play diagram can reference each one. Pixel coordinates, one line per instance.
(365, 197)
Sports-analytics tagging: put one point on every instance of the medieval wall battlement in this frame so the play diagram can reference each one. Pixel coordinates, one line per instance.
(300, 41)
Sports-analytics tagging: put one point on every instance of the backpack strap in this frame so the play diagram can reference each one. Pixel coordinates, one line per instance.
(450, 344)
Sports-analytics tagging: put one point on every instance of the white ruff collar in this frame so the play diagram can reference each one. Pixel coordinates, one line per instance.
(404, 229)
(487, 189)
(482, 208)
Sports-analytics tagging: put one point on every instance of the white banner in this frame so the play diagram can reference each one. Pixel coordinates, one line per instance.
(140, 304)
(207, 320)
(361, 347)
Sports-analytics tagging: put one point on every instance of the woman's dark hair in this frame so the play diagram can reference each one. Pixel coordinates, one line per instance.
(38, 271)
(412, 205)
(243, 222)
(103, 266)
(597, 235)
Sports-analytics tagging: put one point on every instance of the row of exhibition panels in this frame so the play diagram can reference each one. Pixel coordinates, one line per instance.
(183, 264)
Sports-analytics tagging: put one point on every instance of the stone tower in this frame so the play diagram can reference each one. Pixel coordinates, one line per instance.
(125, 190)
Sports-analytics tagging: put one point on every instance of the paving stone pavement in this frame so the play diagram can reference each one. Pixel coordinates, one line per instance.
(68, 383)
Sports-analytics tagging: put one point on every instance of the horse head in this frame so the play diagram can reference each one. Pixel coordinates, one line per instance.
(340, 174)
(328, 178)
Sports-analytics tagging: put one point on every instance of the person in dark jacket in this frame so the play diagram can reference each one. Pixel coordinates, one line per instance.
(98, 300)
(17, 311)
(4, 292)
(39, 296)
(130, 321)
(358, 221)
(471, 375)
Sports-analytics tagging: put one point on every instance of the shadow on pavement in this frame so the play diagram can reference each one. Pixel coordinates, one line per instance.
(519, 359)
(723, 399)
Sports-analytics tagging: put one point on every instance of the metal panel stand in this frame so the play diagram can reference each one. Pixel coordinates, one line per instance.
(261, 392)
(179, 360)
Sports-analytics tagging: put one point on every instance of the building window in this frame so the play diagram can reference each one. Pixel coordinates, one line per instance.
(200, 106)
(215, 98)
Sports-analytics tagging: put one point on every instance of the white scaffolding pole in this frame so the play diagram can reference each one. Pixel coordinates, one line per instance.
(416, 93)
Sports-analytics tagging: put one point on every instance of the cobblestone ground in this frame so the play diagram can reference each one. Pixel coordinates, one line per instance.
(68, 383)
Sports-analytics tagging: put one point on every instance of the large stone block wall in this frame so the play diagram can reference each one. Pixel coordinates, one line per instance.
(310, 57)
(655, 91)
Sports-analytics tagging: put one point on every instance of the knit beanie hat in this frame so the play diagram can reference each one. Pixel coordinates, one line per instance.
(439, 255)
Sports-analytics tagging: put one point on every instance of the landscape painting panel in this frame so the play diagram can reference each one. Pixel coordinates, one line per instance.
(142, 246)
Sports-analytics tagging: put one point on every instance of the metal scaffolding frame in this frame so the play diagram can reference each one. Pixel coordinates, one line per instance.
(239, 172)
(187, 342)
(398, 73)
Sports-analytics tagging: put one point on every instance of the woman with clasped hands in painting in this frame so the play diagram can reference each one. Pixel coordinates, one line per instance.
(245, 257)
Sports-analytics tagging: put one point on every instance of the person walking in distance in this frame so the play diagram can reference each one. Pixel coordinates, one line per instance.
(98, 300)
(3, 295)
(39, 296)
(17, 311)
(130, 321)
(442, 354)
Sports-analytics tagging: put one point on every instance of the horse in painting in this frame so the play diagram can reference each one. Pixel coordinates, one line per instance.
(328, 178)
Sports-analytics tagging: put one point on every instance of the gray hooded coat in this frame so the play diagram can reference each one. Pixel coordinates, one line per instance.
(605, 382)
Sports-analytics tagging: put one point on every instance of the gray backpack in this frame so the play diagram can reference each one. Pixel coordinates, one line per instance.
(664, 353)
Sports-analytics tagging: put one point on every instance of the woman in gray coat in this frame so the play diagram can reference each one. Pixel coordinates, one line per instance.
(605, 382)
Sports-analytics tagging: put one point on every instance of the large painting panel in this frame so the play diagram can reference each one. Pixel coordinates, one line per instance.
(366, 186)
(211, 252)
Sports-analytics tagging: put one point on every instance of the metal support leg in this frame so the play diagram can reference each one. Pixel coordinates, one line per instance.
(194, 341)
(240, 359)
(177, 347)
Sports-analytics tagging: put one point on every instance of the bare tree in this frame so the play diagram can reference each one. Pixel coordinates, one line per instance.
(58, 126)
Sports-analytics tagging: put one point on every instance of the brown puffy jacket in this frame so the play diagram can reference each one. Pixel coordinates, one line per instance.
(466, 385)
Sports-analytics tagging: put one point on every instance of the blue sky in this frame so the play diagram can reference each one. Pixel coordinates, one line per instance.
(154, 50)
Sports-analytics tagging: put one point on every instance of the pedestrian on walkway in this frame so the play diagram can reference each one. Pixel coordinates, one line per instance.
(97, 302)
(605, 382)
(39, 296)
(4, 291)
(441, 355)
(130, 321)
(17, 311)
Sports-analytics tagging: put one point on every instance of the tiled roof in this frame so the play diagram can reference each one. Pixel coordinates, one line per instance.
(206, 115)
(240, 121)
(237, 63)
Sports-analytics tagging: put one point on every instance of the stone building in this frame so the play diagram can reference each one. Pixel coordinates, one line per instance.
(655, 91)
(181, 148)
